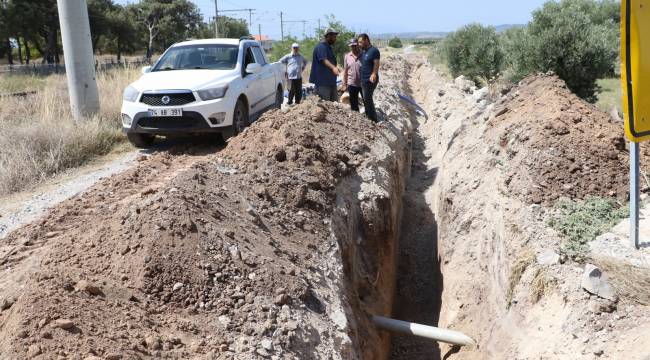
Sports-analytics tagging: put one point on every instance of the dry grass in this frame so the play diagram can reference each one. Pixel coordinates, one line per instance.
(630, 282)
(10, 84)
(523, 261)
(39, 138)
(540, 285)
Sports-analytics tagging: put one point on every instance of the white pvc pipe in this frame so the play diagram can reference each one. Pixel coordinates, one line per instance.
(429, 332)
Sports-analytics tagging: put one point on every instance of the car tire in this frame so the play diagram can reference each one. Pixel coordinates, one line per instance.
(279, 98)
(141, 141)
(239, 120)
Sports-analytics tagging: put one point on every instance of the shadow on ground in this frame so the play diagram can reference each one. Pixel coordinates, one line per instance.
(419, 278)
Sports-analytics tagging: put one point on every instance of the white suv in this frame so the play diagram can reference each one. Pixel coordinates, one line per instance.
(213, 85)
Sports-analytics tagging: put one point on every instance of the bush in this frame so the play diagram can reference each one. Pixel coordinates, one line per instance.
(473, 51)
(581, 222)
(576, 39)
(395, 43)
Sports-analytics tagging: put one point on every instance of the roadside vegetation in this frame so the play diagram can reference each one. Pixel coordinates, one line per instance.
(29, 29)
(39, 138)
(582, 221)
(395, 43)
(576, 39)
(11, 84)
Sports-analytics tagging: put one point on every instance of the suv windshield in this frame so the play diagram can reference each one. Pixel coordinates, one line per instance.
(212, 57)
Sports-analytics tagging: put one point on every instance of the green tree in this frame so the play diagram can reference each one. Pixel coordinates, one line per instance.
(166, 21)
(122, 32)
(576, 39)
(395, 43)
(100, 24)
(474, 51)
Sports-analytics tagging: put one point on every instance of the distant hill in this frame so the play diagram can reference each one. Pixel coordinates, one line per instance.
(434, 34)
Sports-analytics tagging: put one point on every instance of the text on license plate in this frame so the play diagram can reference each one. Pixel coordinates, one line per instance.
(166, 112)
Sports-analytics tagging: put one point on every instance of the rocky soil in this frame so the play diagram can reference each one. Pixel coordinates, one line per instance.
(236, 254)
(498, 167)
(567, 147)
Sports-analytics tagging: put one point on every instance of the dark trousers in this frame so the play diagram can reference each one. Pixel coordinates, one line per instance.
(354, 92)
(368, 89)
(295, 91)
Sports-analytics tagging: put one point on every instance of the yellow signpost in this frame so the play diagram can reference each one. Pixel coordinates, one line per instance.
(635, 77)
(635, 73)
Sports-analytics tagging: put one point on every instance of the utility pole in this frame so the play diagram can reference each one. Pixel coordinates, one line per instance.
(250, 16)
(79, 60)
(259, 28)
(216, 19)
(319, 26)
(304, 22)
(281, 26)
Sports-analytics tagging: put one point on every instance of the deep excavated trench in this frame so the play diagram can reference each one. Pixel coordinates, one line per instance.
(248, 238)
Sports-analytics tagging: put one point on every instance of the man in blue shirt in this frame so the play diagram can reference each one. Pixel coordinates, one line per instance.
(369, 74)
(323, 68)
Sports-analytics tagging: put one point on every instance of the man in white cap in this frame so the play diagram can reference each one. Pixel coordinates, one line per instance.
(296, 64)
(323, 68)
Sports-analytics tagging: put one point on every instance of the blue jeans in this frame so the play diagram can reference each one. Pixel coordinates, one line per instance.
(368, 90)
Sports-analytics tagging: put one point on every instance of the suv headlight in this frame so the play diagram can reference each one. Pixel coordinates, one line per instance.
(213, 94)
(130, 94)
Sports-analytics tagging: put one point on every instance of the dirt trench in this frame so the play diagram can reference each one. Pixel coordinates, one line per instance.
(280, 246)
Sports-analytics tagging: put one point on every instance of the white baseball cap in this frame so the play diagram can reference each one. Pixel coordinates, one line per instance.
(295, 45)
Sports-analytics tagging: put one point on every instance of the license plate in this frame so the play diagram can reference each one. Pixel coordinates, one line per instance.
(166, 112)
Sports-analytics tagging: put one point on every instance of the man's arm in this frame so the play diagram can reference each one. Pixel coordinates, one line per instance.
(331, 66)
(375, 72)
(345, 74)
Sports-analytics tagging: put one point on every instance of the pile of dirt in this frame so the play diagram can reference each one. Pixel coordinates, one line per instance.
(554, 144)
(199, 255)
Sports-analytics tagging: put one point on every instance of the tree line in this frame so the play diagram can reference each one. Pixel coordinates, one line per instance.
(579, 40)
(29, 29)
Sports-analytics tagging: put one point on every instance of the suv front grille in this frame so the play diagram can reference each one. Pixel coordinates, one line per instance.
(174, 99)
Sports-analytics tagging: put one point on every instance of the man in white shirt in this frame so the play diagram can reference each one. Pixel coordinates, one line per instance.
(296, 64)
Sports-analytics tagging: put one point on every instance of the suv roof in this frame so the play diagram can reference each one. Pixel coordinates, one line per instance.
(209, 42)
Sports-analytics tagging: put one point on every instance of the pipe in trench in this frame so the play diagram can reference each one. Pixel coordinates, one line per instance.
(429, 332)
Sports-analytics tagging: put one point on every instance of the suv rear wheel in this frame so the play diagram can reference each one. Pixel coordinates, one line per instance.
(141, 140)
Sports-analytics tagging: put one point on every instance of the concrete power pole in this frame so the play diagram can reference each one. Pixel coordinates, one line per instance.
(281, 25)
(259, 28)
(79, 60)
(216, 19)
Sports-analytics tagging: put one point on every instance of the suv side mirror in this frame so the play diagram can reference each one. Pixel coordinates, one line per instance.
(253, 68)
(146, 69)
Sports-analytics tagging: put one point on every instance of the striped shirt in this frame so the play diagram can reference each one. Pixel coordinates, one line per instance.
(353, 68)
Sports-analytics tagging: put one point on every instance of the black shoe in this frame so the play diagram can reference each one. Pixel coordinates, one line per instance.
(289, 103)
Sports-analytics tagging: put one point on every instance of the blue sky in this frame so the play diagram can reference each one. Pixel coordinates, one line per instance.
(378, 16)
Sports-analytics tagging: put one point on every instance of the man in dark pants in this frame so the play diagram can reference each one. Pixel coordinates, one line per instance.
(296, 64)
(323, 68)
(352, 74)
(369, 74)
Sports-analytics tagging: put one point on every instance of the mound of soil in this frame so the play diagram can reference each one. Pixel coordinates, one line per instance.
(225, 257)
(553, 144)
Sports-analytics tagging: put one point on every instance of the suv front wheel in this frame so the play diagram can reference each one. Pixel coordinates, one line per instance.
(141, 140)
(239, 120)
